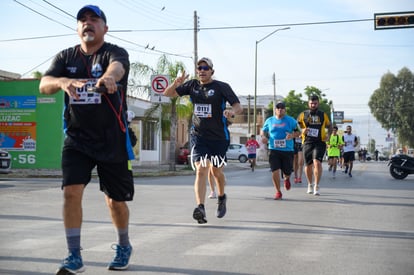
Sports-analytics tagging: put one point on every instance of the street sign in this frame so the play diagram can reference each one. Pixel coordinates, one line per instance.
(338, 116)
(158, 85)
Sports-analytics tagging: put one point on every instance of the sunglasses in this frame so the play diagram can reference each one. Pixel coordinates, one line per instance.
(203, 68)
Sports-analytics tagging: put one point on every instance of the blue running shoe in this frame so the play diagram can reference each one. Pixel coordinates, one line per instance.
(121, 259)
(71, 265)
(221, 208)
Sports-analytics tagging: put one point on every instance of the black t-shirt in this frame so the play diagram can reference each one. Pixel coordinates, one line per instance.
(91, 124)
(209, 102)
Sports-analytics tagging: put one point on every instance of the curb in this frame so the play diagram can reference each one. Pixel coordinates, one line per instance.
(138, 171)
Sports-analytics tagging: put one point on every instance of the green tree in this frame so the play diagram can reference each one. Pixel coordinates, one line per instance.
(295, 104)
(178, 107)
(37, 74)
(371, 145)
(324, 104)
(392, 104)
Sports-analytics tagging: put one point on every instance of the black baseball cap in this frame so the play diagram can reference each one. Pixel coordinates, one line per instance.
(92, 8)
(280, 105)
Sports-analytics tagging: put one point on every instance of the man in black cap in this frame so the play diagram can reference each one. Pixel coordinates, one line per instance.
(313, 123)
(96, 132)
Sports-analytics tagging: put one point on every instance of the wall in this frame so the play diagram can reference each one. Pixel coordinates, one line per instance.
(31, 125)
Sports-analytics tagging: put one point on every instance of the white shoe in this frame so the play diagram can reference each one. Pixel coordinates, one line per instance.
(310, 189)
(212, 195)
(316, 191)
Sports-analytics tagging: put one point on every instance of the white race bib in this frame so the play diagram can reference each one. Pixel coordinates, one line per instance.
(203, 110)
(86, 97)
(280, 143)
(313, 132)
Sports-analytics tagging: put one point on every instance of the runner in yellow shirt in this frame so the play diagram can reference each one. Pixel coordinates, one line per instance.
(334, 145)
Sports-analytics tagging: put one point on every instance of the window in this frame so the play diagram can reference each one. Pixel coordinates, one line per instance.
(149, 135)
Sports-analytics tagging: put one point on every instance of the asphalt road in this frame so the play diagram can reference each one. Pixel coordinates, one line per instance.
(360, 225)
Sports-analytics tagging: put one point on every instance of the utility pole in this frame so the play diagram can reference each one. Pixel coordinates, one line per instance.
(195, 42)
(274, 90)
(249, 97)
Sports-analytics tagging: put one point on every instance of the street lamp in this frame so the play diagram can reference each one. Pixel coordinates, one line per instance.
(249, 97)
(332, 112)
(255, 77)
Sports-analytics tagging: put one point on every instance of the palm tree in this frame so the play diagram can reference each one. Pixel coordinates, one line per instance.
(37, 74)
(179, 107)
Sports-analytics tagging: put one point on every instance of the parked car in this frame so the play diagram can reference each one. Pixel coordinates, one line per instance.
(182, 157)
(237, 151)
(382, 157)
(5, 162)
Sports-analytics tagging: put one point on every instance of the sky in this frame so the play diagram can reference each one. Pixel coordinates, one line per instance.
(344, 60)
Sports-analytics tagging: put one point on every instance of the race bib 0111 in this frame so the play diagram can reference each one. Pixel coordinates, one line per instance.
(203, 110)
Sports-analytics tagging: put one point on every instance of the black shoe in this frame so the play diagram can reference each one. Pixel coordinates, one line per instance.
(346, 170)
(221, 208)
(199, 214)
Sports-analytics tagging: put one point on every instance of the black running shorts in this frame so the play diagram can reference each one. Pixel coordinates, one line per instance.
(203, 149)
(314, 150)
(297, 147)
(115, 179)
(349, 156)
(281, 160)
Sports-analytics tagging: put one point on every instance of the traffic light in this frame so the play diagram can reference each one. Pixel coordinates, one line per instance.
(394, 20)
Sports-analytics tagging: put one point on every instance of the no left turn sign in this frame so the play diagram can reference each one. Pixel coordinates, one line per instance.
(158, 85)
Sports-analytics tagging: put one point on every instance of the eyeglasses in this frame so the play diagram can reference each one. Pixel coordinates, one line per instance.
(203, 68)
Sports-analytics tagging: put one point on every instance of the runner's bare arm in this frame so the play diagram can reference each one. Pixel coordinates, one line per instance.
(170, 90)
(51, 85)
(112, 75)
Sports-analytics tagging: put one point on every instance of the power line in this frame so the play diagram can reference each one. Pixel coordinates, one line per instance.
(37, 66)
(158, 14)
(47, 17)
(146, 47)
(59, 9)
(124, 40)
(250, 26)
(35, 37)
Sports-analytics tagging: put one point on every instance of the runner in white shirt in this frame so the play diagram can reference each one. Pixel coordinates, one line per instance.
(350, 141)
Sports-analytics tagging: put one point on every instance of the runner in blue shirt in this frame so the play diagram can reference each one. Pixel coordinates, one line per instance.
(279, 132)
